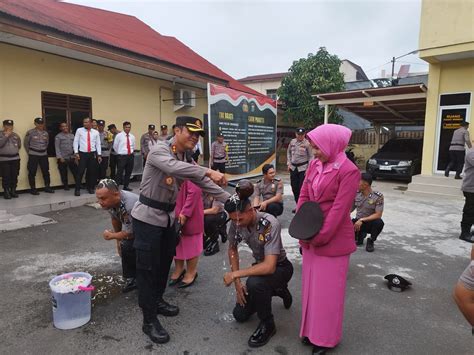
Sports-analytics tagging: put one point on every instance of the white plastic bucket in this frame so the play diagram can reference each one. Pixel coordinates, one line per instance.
(71, 308)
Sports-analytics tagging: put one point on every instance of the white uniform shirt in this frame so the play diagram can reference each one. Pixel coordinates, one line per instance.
(80, 141)
(120, 143)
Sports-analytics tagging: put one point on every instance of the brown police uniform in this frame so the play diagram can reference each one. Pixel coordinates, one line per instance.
(457, 151)
(298, 155)
(63, 144)
(36, 145)
(9, 162)
(366, 206)
(219, 156)
(266, 190)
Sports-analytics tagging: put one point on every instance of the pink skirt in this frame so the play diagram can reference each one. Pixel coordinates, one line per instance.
(189, 247)
(323, 293)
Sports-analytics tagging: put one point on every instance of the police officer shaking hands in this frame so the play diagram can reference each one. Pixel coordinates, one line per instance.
(168, 164)
(271, 272)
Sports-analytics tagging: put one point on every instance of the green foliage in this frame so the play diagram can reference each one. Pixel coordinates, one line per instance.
(316, 74)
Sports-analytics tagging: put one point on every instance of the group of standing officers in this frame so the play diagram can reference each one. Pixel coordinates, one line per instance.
(92, 150)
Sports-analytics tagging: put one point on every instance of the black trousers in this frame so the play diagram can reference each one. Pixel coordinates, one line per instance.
(113, 166)
(296, 180)
(219, 167)
(468, 210)
(155, 248)
(87, 161)
(33, 162)
(260, 290)
(62, 167)
(456, 161)
(9, 172)
(374, 228)
(129, 259)
(104, 164)
(214, 225)
(275, 208)
(124, 169)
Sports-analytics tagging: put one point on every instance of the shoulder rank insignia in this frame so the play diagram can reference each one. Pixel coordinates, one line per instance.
(173, 149)
(277, 179)
(259, 181)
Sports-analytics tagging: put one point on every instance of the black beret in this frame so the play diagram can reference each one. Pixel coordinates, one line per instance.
(397, 283)
(151, 126)
(300, 130)
(101, 122)
(39, 120)
(8, 122)
(193, 124)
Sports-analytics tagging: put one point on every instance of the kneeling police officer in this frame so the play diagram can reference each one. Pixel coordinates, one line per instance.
(271, 272)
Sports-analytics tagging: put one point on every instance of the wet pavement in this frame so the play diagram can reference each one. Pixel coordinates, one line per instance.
(419, 242)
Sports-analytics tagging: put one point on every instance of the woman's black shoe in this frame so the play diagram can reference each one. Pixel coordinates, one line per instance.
(306, 341)
(173, 282)
(319, 350)
(183, 284)
(263, 333)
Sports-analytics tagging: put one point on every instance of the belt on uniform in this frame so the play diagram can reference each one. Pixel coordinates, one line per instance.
(9, 155)
(283, 262)
(38, 150)
(300, 164)
(105, 149)
(462, 145)
(219, 158)
(163, 206)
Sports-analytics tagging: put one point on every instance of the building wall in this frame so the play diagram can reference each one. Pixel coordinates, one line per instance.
(446, 22)
(116, 95)
(444, 78)
(262, 87)
(350, 73)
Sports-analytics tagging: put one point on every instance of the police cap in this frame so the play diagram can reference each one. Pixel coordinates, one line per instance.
(191, 123)
(397, 283)
(163, 126)
(220, 134)
(299, 226)
(300, 130)
(151, 126)
(39, 120)
(8, 122)
(100, 122)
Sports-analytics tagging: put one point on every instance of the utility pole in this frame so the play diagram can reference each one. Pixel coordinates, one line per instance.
(393, 67)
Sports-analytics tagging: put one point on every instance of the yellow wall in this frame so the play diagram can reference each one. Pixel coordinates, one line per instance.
(262, 87)
(446, 23)
(116, 95)
(444, 78)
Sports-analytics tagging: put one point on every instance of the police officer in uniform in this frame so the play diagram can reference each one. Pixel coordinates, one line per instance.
(36, 145)
(214, 224)
(106, 139)
(219, 154)
(270, 189)
(457, 150)
(10, 145)
(164, 136)
(119, 204)
(113, 154)
(167, 166)
(63, 143)
(271, 272)
(145, 141)
(298, 155)
(368, 219)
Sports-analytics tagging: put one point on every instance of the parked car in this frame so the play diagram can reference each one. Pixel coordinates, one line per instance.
(399, 158)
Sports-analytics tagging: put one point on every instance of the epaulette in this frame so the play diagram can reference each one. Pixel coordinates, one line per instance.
(277, 179)
(377, 193)
(263, 225)
(259, 181)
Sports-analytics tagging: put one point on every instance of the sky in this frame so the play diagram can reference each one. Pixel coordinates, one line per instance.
(259, 37)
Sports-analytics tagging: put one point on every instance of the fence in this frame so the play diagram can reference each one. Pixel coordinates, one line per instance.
(368, 137)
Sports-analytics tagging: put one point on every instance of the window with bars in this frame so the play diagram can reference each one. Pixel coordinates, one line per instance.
(272, 94)
(58, 108)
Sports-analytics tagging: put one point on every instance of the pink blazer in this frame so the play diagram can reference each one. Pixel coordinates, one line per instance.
(335, 192)
(189, 203)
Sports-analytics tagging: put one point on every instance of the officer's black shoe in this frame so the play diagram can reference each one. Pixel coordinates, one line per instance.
(212, 249)
(126, 188)
(34, 192)
(263, 333)
(49, 190)
(130, 285)
(370, 245)
(319, 350)
(285, 294)
(91, 191)
(166, 309)
(13, 193)
(446, 173)
(77, 192)
(207, 242)
(293, 210)
(306, 341)
(66, 187)
(156, 332)
(7, 195)
(466, 233)
(458, 177)
(224, 237)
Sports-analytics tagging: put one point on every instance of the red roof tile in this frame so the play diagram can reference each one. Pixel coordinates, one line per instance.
(114, 29)
(263, 77)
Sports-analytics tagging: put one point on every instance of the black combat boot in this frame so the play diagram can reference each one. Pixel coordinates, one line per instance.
(360, 238)
(6, 193)
(154, 329)
(466, 233)
(265, 330)
(13, 192)
(285, 294)
(370, 245)
(33, 191)
(166, 309)
(48, 189)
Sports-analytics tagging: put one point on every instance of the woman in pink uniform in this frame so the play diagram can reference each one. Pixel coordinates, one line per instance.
(332, 181)
(189, 212)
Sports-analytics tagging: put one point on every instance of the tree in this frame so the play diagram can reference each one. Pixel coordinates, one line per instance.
(316, 74)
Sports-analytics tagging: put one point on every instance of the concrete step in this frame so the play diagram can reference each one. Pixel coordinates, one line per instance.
(435, 185)
(438, 180)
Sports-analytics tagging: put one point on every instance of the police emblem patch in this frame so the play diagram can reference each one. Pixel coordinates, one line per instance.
(198, 123)
(169, 180)
(173, 148)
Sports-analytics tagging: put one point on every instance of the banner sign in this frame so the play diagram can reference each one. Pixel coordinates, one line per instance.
(248, 123)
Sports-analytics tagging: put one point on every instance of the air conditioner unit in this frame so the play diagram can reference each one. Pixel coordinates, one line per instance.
(184, 98)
